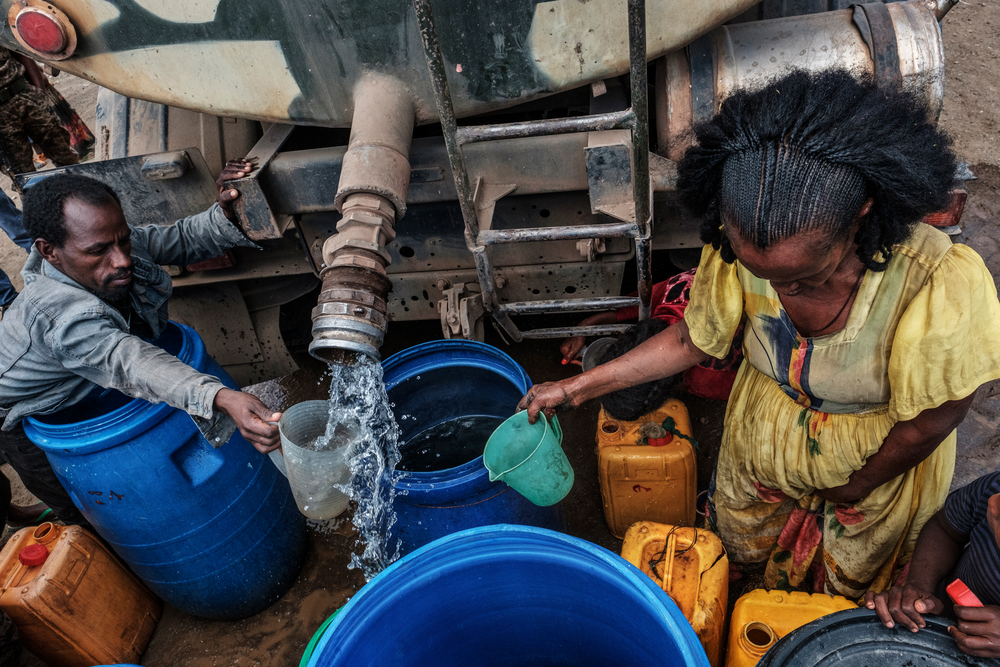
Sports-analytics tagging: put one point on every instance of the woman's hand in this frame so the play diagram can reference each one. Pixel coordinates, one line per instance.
(667, 353)
(904, 605)
(848, 494)
(545, 397)
(978, 631)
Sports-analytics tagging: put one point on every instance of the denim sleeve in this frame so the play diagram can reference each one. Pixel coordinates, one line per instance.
(193, 239)
(966, 507)
(92, 347)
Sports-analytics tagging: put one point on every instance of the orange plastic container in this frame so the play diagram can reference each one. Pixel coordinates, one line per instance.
(760, 618)
(74, 603)
(691, 566)
(644, 483)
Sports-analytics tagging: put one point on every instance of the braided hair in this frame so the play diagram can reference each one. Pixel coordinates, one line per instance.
(804, 152)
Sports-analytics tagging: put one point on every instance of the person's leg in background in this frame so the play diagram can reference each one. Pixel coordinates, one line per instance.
(37, 475)
(10, 222)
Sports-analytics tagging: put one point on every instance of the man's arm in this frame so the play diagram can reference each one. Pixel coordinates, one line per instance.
(938, 549)
(201, 236)
(90, 346)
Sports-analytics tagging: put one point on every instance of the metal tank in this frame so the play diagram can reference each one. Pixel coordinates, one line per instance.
(532, 204)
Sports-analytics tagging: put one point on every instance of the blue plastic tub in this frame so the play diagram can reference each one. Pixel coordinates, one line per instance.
(214, 532)
(433, 383)
(506, 596)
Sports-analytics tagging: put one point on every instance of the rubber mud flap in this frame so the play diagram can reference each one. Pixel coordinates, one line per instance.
(857, 638)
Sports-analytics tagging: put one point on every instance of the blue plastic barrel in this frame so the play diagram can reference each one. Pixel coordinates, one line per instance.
(214, 532)
(431, 384)
(506, 596)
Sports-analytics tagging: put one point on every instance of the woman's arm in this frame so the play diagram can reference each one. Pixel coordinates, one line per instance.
(907, 444)
(667, 353)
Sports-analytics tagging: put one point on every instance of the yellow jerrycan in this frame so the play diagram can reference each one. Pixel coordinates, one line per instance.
(760, 618)
(691, 566)
(640, 482)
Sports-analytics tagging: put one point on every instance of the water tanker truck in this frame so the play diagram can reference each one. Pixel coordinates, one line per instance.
(432, 159)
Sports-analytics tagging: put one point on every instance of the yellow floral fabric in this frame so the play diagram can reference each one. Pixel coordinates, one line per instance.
(805, 413)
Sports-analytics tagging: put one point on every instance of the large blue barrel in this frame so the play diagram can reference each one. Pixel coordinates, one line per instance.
(509, 596)
(436, 383)
(214, 532)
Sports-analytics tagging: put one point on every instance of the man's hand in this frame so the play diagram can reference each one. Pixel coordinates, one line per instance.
(978, 631)
(904, 605)
(251, 417)
(234, 169)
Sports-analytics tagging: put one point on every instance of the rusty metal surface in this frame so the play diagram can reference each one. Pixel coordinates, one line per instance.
(608, 157)
(218, 313)
(305, 181)
(308, 55)
(147, 202)
(745, 55)
(256, 218)
(569, 305)
(875, 25)
(376, 159)
(563, 332)
(614, 120)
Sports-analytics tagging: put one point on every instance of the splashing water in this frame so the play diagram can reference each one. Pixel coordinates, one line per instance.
(357, 397)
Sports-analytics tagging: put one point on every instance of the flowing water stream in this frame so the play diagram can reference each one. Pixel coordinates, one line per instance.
(357, 397)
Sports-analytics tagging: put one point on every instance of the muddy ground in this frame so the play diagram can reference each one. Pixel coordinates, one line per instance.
(971, 116)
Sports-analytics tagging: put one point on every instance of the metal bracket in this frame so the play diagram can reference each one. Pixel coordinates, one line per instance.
(257, 219)
(609, 174)
(462, 315)
(591, 248)
(187, 192)
(485, 198)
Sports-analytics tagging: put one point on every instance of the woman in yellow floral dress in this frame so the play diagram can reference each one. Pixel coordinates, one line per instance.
(867, 333)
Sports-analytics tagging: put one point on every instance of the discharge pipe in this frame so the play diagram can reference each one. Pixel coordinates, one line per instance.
(350, 316)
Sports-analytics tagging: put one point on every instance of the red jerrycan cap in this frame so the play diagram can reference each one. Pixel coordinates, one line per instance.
(961, 595)
(33, 554)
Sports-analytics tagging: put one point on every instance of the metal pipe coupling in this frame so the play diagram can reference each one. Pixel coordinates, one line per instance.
(350, 315)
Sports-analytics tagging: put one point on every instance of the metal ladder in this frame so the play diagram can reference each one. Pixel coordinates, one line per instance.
(480, 237)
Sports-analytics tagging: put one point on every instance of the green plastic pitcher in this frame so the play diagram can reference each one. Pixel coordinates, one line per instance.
(530, 458)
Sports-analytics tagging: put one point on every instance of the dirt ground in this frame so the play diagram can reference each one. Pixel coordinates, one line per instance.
(971, 116)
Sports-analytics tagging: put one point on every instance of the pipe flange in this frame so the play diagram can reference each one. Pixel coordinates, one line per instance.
(353, 296)
(342, 333)
(350, 310)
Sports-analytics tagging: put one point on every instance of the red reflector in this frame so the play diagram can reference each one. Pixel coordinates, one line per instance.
(40, 30)
(221, 262)
(951, 215)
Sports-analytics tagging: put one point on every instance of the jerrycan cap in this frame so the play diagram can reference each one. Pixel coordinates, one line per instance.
(33, 554)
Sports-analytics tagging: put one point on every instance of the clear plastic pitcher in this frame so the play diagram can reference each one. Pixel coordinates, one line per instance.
(316, 465)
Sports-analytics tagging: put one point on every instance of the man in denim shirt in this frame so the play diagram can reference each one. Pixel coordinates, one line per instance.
(94, 295)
